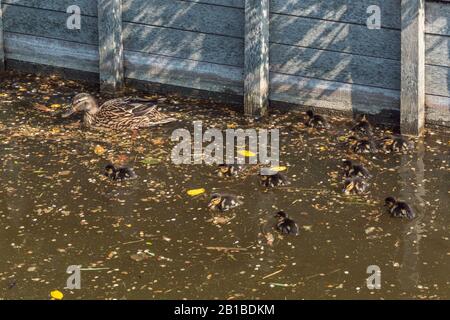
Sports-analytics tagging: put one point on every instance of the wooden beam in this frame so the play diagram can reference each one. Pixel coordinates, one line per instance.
(256, 60)
(110, 45)
(2, 48)
(412, 105)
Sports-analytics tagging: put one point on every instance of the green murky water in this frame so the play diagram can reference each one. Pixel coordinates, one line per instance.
(148, 239)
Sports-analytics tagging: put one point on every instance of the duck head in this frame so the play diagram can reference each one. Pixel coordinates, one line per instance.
(82, 102)
(215, 201)
(281, 215)
(390, 202)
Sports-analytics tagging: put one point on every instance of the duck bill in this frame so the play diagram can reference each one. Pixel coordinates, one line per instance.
(68, 113)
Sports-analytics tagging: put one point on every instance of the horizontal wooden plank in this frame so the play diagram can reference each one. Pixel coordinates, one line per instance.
(51, 24)
(226, 3)
(183, 44)
(336, 36)
(437, 18)
(332, 95)
(437, 80)
(183, 73)
(352, 11)
(335, 66)
(57, 53)
(437, 110)
(437, 50)
(188, 16)
(88, 7)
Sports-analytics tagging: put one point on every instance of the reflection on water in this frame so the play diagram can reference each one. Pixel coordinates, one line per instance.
(147, 239)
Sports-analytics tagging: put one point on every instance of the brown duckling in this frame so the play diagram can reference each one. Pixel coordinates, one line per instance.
(364, 145)
(399, 209)
(394, 144)
(355, 186)
(229, 170)
(316, 121)
(224, 202)
(355, 170)
(273, 180)
(363, 127)
(285, 225)
(119, 173)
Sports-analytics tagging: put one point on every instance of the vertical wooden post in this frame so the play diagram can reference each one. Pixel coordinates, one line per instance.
(256, 64)
(110, 45)
(412, 109)
(2, 47)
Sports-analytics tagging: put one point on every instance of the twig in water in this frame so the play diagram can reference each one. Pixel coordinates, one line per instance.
(272, 274)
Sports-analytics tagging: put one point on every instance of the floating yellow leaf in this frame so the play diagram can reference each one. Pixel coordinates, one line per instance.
(196, 192)
(56, 130)
(278, 169)
(55, 106)
(342, 138)
(99, 150)
(232, 126)
(56, 295)
(3, 95)
(322, 148)
(246, 153)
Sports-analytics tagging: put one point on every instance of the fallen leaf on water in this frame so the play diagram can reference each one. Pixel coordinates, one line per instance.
(41, 107)
(99, 150)
(138, 257)
(278, 169)
(269, 238)
(150, 161)
(246, 153)
(55, 106)
(157, 141)
(56, 295)
(196, 192)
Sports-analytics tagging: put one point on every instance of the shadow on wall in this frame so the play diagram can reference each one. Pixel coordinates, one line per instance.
(322, 53)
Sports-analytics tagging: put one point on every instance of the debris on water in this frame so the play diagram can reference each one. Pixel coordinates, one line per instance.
(56, 295)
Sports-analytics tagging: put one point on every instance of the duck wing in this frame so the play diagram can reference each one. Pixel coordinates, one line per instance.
(135, 106)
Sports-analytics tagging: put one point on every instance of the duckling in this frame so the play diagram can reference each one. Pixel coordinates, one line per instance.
(285, 225)
(316, 121)
(395, 144)
(355, 185)
(273, 180)
(363, 126)
(120, 173)
(399, 209)
(355, 170)
(229, 170)
(364, 145)
(224, 202)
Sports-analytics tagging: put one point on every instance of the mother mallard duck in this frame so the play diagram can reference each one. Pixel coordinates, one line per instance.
(117, 114)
